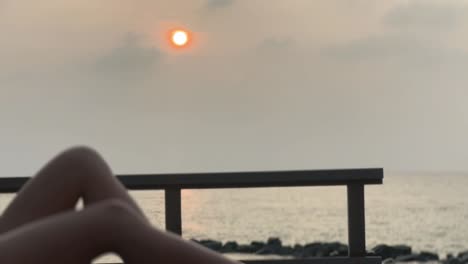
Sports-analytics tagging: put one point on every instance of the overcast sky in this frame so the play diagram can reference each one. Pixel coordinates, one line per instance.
(267, 84)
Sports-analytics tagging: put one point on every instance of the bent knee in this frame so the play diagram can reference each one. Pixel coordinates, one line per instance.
(80, 158)
(118, 215)
(115, 205)
(80, 153)
(116, 209)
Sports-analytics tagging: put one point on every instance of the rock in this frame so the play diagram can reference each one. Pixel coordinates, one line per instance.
(287, 250)
(211, 244)
(341, 249)
(402, 250)
(332, 249)
(386, 251)
(462, 254)
(321, 250)
(257, 245)
(335, 253)
(273, 246)
(274, 242)
(464, 260)
(388, 261)
(452, 261)
(408, 258)
(230, 246)
(297, 250)
(325, 250)
(265, 251)
(311, 250)
(429, 256)
(246, 249)
(421, 257)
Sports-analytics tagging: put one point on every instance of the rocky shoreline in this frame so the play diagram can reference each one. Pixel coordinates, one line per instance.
(274, 246)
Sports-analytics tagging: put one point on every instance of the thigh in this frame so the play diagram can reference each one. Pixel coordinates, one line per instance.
(79, 172)
(53, 189)
(69, 237)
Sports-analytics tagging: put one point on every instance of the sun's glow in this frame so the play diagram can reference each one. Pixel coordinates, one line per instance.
(179, 37)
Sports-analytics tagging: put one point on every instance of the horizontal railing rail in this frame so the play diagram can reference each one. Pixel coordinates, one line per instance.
(172, 184)
(232, 179)
(329, 260)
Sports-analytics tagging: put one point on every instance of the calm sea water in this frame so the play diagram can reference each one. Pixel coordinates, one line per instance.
(427, 212)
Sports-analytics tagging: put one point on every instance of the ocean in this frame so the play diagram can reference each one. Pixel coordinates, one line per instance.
(428, 211)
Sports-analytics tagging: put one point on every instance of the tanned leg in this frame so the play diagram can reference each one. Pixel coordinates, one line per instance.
(109, 226)
(78, 172)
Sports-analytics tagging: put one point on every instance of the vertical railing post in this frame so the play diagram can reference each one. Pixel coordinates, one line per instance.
(356, 221)
(173, 210)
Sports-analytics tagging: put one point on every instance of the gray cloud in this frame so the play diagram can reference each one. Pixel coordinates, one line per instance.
(275, 48)
(396, 47)
(399, 60)
(214, 4)
(276, 43)
(121, 71)
(131, 58)
(427, 15)
(419, 36)
(113, 78)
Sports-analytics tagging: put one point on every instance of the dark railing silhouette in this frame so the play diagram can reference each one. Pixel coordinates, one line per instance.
(172, 184)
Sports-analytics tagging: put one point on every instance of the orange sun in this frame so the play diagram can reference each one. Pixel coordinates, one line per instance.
(180, 38)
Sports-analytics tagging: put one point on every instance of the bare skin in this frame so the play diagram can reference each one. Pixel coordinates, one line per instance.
(41, 225)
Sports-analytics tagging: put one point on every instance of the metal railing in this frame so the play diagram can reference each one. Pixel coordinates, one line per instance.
(172, 184)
